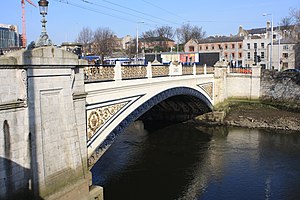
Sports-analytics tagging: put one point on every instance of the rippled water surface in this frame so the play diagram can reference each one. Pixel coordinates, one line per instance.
(187, 162)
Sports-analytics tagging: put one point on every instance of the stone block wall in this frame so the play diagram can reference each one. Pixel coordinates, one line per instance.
(14, 132)
(281, 87)
(42, 114)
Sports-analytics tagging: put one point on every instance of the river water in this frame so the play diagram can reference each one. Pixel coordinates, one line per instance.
(188, 162)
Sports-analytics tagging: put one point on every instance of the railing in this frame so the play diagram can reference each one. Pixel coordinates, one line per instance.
(126, 72)
(133, 71)
(240, 70)
(187, 70)
(94, 73)
(160, 70)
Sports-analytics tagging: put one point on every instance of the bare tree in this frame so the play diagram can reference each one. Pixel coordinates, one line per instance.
(286, 22)
(104, 42)
(187, 32)
(85, 37)
(162, 32)
(295, 14)
(149, 34)
(293, 22)
(165, 32)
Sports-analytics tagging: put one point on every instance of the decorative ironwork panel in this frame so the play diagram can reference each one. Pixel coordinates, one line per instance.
(133, 71)
(98, 117)
(210, 70)
(187, 70)
(208, 89)
(199, 70)
(99, 73)
(160, 70)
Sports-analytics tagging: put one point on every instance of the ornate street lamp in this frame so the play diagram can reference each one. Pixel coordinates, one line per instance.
(44, 39)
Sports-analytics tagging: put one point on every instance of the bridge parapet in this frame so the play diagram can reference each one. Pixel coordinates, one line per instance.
(95, 73)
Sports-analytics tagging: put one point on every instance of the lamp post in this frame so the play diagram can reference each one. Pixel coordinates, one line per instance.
(279, 67)
(137, 40)
(44, 39)
(271, 49)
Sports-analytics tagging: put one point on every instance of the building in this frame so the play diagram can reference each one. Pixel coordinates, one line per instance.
(269, 51)
(159, 44)
(126, 41)
(228, 48)
(9, 38)
(253, 47)
(284, 55)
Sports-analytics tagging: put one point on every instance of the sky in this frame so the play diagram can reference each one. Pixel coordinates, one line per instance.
(66, 18)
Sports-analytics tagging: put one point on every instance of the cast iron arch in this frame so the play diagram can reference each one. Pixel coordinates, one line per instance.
(145, 107)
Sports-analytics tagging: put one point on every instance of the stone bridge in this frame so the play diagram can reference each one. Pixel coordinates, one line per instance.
(59, 114)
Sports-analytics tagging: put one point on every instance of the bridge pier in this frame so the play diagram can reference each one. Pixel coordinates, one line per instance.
(42, 110)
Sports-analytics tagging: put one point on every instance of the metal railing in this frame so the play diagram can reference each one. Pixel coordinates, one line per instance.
(98, 73)
(240, 70)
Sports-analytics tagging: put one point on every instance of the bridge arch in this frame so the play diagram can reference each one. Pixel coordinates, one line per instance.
(142, 109)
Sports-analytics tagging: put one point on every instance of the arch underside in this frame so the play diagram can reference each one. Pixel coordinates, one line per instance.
(181, 102)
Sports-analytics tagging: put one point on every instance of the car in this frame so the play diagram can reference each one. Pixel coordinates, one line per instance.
(292, 70)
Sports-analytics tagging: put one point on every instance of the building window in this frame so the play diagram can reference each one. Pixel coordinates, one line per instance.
(232, 56)
(226, 55)
(219, 46)
(212, 47)
(226, 46)
(255, 55)
(200, 47)
(240, 46)
(206, 47)
(232, 46)
(262, 55)
(255, 45)
(285, 55)
(248, 55)
(248, 45)
(262, 45)
(286, 47)
(191, 48)
(240, 55)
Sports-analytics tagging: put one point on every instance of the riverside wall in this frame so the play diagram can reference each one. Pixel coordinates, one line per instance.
(281, 88)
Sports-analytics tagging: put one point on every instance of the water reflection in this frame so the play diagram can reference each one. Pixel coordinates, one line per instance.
(184, 161)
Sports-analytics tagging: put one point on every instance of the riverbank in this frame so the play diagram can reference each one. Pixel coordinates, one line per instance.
(253, 115)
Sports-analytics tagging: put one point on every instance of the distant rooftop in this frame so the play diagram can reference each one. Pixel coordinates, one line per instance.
(152, 39)
(214, 39)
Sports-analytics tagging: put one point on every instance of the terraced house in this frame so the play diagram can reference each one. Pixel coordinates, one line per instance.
(258, 46)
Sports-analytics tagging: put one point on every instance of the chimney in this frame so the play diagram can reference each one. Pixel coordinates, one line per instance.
(240, 29)
(268, 25)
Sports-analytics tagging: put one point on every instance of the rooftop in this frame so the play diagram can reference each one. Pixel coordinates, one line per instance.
(214, 39)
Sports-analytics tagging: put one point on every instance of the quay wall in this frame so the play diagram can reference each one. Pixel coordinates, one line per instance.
(281, 88)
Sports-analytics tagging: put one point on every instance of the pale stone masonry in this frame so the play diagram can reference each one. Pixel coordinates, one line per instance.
(42, 110)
